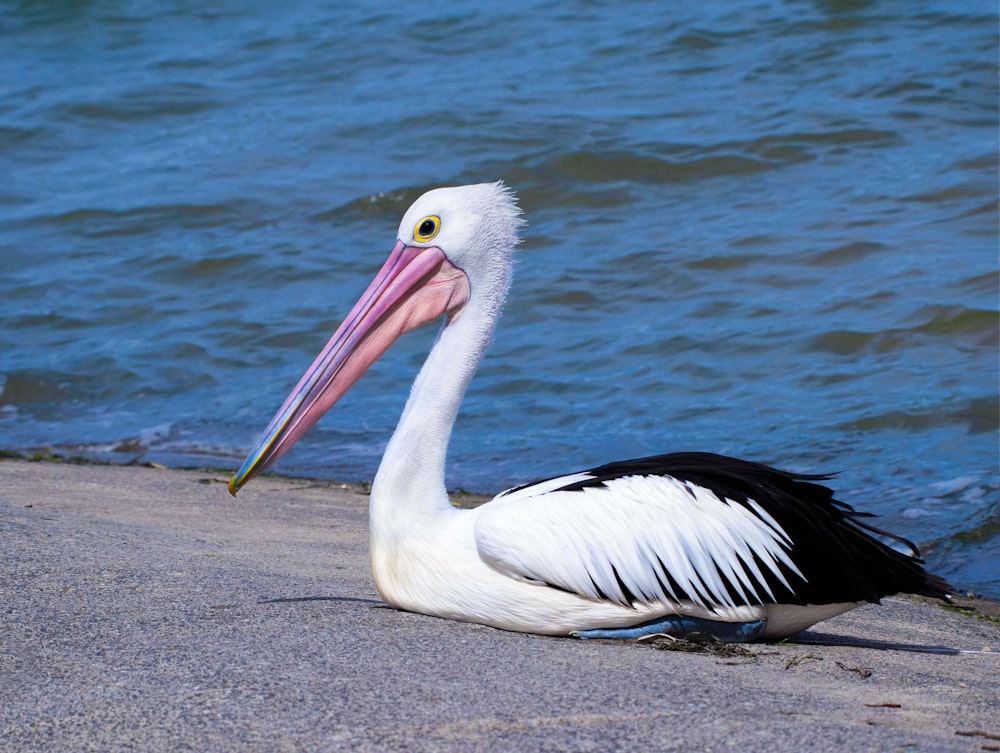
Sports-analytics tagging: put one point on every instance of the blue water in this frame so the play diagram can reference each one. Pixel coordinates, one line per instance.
(766, 229)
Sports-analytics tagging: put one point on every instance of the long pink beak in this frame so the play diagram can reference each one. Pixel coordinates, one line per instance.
(415, 285)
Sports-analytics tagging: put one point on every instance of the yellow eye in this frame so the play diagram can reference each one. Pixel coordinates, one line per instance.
(427, 228)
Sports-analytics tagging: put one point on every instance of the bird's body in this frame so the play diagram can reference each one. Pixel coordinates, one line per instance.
(689, 543)
(495, 564)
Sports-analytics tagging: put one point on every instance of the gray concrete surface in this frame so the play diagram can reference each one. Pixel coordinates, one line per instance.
(146, 610)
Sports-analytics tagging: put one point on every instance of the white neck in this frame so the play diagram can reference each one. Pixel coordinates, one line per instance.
(409, 486)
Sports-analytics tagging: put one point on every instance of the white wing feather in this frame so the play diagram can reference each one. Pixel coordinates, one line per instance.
(635, 531)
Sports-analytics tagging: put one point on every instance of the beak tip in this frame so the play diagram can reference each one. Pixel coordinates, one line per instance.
(233, 486)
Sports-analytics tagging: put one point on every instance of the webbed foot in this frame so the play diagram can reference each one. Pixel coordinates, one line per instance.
(688, 628)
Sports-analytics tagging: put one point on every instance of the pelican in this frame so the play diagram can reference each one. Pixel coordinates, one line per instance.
(690, 545)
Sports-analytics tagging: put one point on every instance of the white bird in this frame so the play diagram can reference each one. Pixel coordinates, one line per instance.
(689, 544)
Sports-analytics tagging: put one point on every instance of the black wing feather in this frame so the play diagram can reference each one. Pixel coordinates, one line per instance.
(839, 556)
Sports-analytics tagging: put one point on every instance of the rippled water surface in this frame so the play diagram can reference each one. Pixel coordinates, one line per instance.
(766, 229)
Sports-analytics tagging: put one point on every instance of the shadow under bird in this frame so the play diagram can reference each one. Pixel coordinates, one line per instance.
(692, 545)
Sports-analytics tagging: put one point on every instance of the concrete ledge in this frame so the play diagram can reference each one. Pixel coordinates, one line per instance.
(146, 610)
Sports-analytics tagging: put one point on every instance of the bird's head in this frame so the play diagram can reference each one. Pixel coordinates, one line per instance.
(453, 252)
(475, 227)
